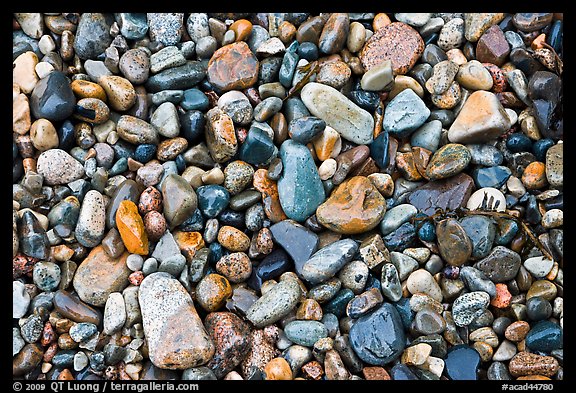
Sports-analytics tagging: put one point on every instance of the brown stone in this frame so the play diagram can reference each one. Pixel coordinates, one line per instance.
(517, 331)
(445, 194)
(454, 245)
(492, 47)
(376, 374)
(407, 166)
(213, 291)
(397, 42)
(233, 67)
(87, 89)
(27, 359)
(421, 157)
(334, 33)
(334, 367)
(525, 363)
(309, 310)
(70, 306)
(534, 176)
(270, 199)
(233, 239)
(120, 92)
(242, 29)
(99, 275)
(150, 199)
(21, 120)
(220, 135)
(231, 337)
(155, 225)
(312, 370)
(278, 369)
(169, 149)
(356, 206)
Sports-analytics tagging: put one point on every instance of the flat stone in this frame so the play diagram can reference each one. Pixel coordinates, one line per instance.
(545, 336)
(300, 188)
(427, 136)
(175, 334)
(555, 165)
(274, 304)
(404, 114)
(378, 77)
(481, 231)
(494, 177)
(99, 275)
(131, 228)
(20, 299)
(165, 28)
(233, 67)
(352, 122)
(378, 337)
(177, 78)
(539, 267)
(334, 33)
(179, 198)
(305, 333)
(421, 281)
(298, 241)
(448, 161)
(327, 261)
(476, 280)
(397, 42)
(136, 131)
(365, 213)
(462, 363)
(525, 364)
(481, 119)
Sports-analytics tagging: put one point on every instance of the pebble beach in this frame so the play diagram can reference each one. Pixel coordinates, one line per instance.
(287, 196)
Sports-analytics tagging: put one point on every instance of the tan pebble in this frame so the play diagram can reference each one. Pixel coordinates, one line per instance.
(233, 239)
(383, 183)
(286, 32)
(455, 55)
(534, 176)
(527, 364)
(213, 176)
(43, 68)
(87, 89)
(21, 121)
(120, 92)
(517, 331)
(94, 110)
(484, 350)
(416, 355)
(23, 71)
(43, 135)
(403, 82)
(236, 267)
(450, 98)
(327, 169)
(380, 20)
(278, 369)
(310, 310)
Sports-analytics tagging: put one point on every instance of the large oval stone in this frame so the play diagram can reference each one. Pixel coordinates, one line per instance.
(180, 200)
(454, 245)
(352, 122)
(175, 334)
(356, 206)
(274, 304)
(233, 67)
(52, 98)
(326, 262)
(481, 119)
(397, 42)
(58, 167)
(92, 35)
(481, 231)
(99, 275)
(177, 78)
(378, 338)
(131, 228)
(300, 188)
(448, 161)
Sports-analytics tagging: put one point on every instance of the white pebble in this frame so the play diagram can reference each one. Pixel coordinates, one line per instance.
(512, 115)
(43, 68)
(327, 169)
(114, 313)
(539, 267)
(134, 262)
(46, 44)
(495, 200)
(553, 218)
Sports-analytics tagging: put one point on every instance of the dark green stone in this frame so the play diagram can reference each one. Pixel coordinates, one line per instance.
(337, 305)
(258, 148)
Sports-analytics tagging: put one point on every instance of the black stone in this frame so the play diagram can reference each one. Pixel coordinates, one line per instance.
(192, 125)
(402, 238)
(433, 55)
(272, 266)
(524, 61)
(337, 305)
(33, 239)
(421, 72)
(294, 108)
(462, 363)
(52, 98)
(366, 100)
(545, 85)
(232, 218)
(177, 78)
(144, 152)
(538, 308)
(269, 69)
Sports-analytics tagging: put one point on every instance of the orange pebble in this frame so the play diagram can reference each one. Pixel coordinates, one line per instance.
(270, 197)
(534, 176)
(538, 42)
(242, 29)
(503, 296)
(131, 228)
(380, 20)
(278, 369)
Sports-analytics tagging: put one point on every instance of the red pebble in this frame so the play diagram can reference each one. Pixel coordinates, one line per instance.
(136, 278)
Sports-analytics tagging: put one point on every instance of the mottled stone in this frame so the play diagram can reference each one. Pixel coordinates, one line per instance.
(58, 167)
(220, 135)
(469, 306)
(233, 67)
(404, 114)
(274, 304)
(231, 337)
(131, 228)
(526, 363)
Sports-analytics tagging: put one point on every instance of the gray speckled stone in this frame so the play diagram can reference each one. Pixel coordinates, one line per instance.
(476, 280)
(92, 220)
(305, 333)
(326, 262)
(275, 304)
(404, 114)
(165, 28)
(469, 306)
(500, 265)
(17, 341)
(58, 167)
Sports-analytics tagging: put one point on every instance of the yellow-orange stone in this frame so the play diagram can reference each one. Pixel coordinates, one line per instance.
(87, 89)
(270, 199)
(278, 369)
(233, 239)
(189, 243)
(131, 228)
(242, 29)
(534, 176)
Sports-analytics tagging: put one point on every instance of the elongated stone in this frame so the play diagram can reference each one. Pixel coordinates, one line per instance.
(177, 78)
(131, 228)
(326, 262)
(92, 220)
(175, 334)
(305, 333)
(274, 304)
(220, 135)
(300, 189)
(352, 122)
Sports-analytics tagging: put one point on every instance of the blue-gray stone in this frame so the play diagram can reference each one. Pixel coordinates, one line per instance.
(337, 305)
(378, 338)
(540, 147)
(19, 38)
(379, 150)
(397, 216)
(405, 311)
(194, 99)
(304, 129)
(305, 333)
(462, 363)
(476, 280)
(133, 26)
(507, 229)
(194, 223)
(82, 331)
(494, 176)
(518, 142)
(308, 50)
(427, 136)
(145, 152)
(481, 230)
(300, 188)
(545, 336)
(401, 238)
(294, 108)
(401, 372)
(92, 36)
(170, 168)
(177, 78)
(258, 148)
(404, 114)
(327, 261)
(212, 199)
(52, 98)
(119, 166)
(288, 68)
(485, 155)
(297, 240)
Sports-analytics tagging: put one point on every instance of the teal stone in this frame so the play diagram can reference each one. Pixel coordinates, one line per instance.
(337, 305)
(405, 312)
(506, 231)
(194, 99)
(294, 108)
(300, 188)
(481, 230)
(427, 136)
(288, 68)
(545, 336)
(133, 26)
(427, 232)
(305, 333)
(258, 148)
(494, 176)
(304, 129)
(462, 363)
(212, 199)
(64, 213)
(405, 114)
